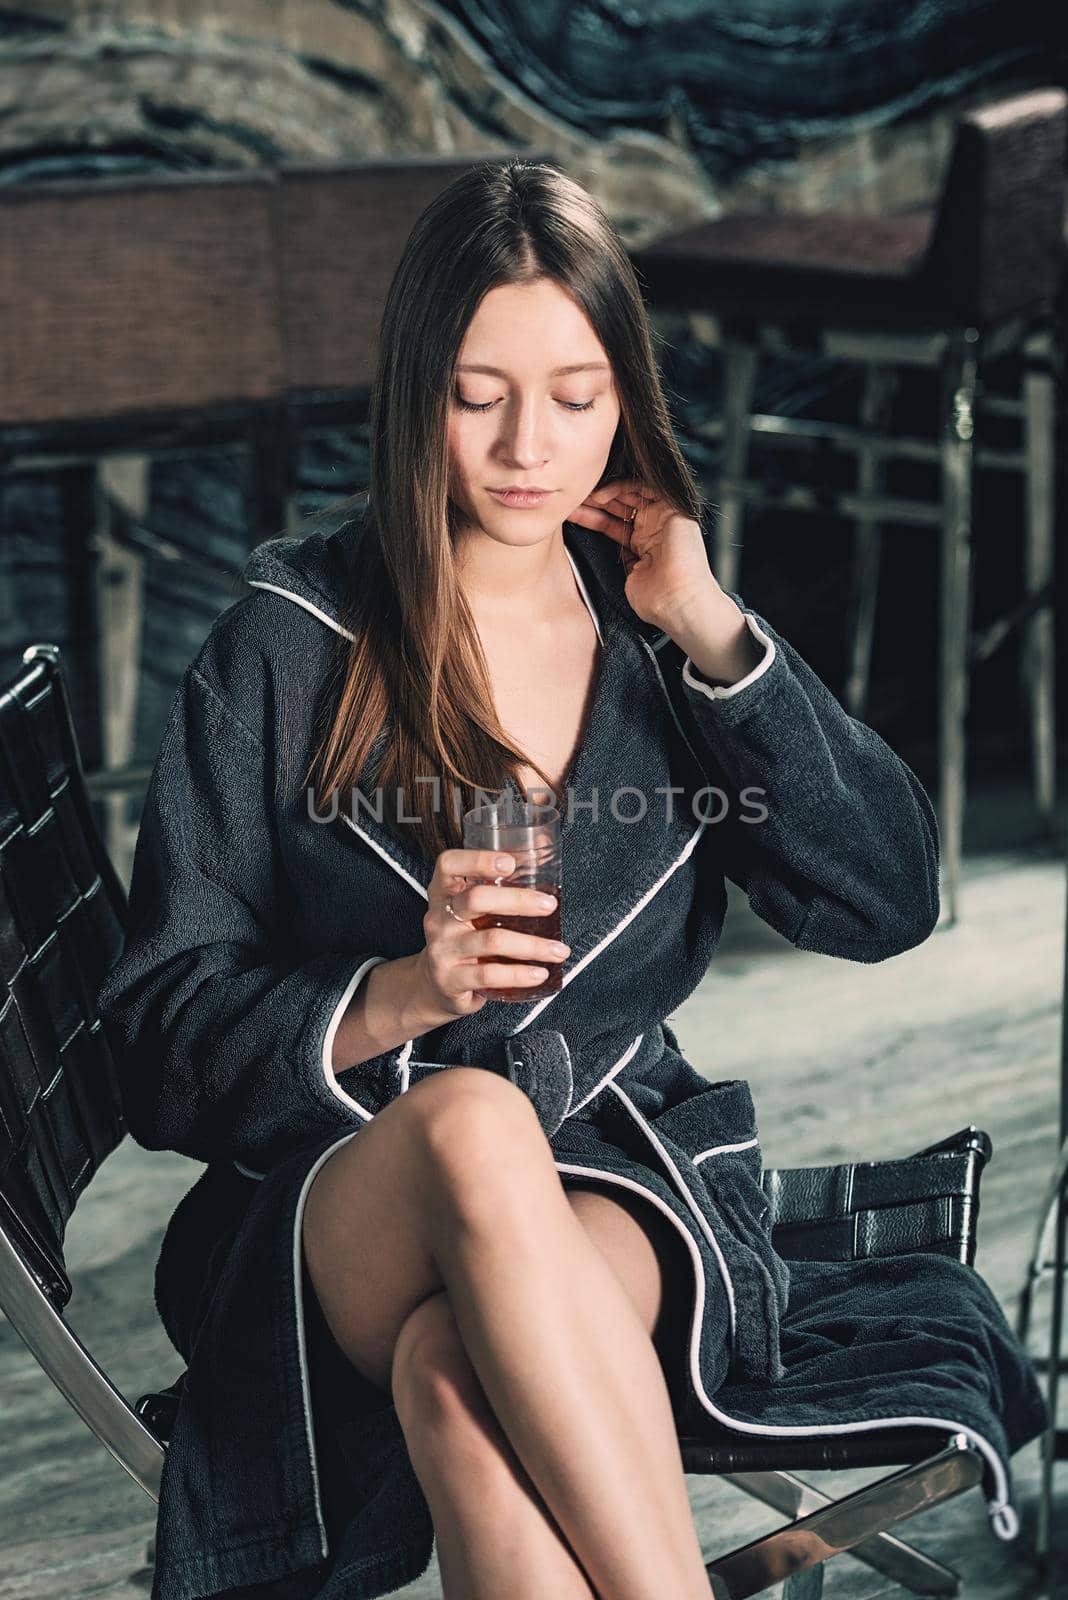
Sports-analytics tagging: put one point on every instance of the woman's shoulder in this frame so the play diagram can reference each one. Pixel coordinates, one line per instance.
(313, 570)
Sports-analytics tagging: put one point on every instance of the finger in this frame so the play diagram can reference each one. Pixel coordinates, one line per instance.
(602, 521)
(504, 975)
(512, 945)
(502, 900)
(457, 921)
(463, 864)
(627, 507)
(629, 514)
(622, 486)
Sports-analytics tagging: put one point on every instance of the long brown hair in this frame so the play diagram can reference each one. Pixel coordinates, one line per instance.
(416, 655)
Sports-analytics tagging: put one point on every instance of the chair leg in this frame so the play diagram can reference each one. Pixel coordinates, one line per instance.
(846, 1523)
(1037, 657)
(1049, 1438)
(959, 375)
(883, 1552)
(740, 360)
(879, 385)
(1037, 1265)
(120, 587)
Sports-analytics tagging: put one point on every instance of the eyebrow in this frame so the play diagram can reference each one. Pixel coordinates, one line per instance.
(557, 372)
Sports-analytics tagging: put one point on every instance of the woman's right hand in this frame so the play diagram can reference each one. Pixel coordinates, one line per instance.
(455, 962)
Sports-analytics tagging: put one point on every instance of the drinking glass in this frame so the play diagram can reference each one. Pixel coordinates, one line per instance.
(530, 833)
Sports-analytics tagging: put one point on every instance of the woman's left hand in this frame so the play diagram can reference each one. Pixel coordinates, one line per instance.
(668, 575)
(669, 582)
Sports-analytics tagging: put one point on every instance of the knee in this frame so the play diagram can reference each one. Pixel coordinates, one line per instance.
(477, 1130)
(435, 1388)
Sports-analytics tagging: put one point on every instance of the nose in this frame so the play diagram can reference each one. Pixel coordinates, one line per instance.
(524, 428)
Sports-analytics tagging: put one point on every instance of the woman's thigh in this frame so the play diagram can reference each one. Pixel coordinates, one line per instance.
(367, 1212)
(650, 1258)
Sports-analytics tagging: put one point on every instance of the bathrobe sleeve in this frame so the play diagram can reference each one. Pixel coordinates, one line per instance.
(841, 855)
(222, 1040)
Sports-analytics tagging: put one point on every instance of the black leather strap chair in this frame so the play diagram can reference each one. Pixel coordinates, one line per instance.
(61, 924)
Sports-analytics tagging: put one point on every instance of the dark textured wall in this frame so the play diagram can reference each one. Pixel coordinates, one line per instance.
(751, 82)
(669, 111)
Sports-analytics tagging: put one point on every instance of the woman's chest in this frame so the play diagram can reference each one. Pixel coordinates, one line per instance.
(601, 718)
(543, 689)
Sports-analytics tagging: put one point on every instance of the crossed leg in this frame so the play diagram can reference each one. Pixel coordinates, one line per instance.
(554, 1310)
(494, 1533)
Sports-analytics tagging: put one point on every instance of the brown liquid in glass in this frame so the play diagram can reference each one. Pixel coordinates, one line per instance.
(548, 926)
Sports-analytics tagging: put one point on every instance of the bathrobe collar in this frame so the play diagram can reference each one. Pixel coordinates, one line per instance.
(634, 743)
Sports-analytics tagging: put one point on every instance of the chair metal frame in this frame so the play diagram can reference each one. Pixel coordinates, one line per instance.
(960, 356)
(933, 1464)
(963, 326)
(1049, 1259)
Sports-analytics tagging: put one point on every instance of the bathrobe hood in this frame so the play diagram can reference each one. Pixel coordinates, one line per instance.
(314, 570)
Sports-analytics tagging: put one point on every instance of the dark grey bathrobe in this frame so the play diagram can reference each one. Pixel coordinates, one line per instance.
(252, 922)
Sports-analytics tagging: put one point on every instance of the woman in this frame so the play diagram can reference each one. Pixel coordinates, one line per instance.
(447, 1273)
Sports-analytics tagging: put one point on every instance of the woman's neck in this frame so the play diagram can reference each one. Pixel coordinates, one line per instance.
(502, 581)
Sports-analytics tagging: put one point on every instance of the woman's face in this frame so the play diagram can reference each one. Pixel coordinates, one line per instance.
(541, 426)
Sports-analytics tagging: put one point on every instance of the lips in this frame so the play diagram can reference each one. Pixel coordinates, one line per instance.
(522, 497)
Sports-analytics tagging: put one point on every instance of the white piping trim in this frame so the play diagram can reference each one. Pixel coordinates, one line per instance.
(331, 1029)
(724, 692)
(681, 1185)
(1002, 1515)
(612, 1072)
(591, 955)
(585, 594)
(298, 599)
(348, 634)
(298, 1289)
(390, 860)
(726, 1149)
(419, 888)
(671, 707)
(403, 1068)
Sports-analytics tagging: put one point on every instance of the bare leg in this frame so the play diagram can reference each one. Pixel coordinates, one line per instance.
(493, 1531)
(452, 1186)
(562, 1355)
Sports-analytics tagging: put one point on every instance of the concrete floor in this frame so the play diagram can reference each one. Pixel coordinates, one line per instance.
(844, 1060)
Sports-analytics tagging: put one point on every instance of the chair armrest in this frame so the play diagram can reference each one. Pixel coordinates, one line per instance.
(928, 1201)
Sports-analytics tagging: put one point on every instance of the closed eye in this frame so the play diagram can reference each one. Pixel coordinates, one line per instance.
(569, 405)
